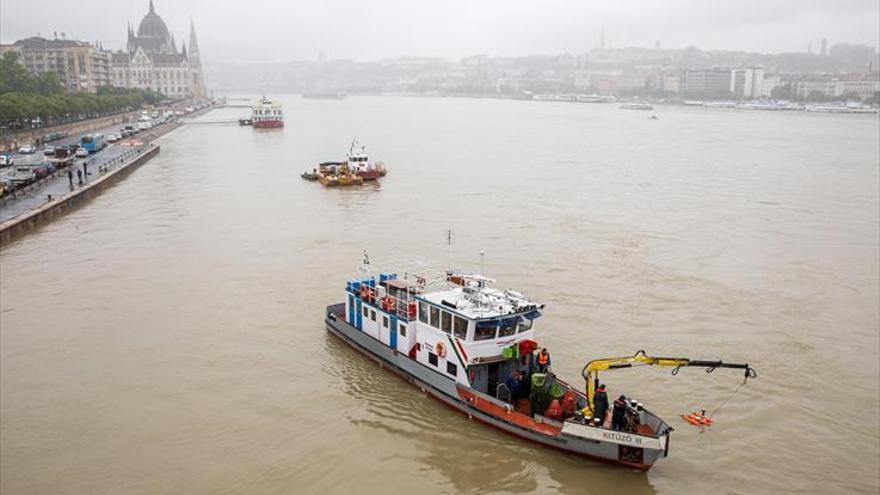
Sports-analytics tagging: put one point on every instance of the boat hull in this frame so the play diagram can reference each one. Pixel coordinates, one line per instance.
(268, 124)
(476, 405)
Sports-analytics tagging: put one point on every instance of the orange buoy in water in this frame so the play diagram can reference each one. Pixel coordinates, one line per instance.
(698, 419)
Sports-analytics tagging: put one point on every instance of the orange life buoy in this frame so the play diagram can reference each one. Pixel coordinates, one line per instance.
(440, 349)
(697, 419)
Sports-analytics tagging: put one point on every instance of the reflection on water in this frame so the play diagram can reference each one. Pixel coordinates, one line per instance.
(168, 336)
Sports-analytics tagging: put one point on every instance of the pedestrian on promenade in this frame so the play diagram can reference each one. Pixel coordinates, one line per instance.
(86, 168)
(79, 175)
(70, 177)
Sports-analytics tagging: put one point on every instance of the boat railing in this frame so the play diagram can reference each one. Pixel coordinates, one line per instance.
(503, 393)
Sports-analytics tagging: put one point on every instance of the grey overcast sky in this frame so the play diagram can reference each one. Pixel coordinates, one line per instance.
(273, 31)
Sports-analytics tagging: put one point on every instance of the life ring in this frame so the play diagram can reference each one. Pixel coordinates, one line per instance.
(440, 349)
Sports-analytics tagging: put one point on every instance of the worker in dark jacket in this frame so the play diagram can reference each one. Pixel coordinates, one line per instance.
(618, 417)
(514, 383)
(600, 403)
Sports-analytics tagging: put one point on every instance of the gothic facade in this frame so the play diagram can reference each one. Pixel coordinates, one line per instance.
(151, 60)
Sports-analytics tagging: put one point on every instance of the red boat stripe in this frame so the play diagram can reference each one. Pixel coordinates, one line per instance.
(461, 347)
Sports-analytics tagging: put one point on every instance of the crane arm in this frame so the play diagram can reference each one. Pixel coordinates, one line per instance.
(640, 358)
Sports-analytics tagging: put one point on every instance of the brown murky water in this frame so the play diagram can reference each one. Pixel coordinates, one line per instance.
(168, 336)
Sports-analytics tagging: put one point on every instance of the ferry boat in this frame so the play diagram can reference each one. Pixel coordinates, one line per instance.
(637, 106)
(457, 339)
(363, 167)
(267, 114)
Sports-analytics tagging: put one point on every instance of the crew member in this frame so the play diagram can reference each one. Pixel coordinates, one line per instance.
(543, 360)
(618, 416)
(514, 383)
(600, 403)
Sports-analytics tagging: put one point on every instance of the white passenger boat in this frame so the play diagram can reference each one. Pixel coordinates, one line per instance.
(461, 341)
(595, 99)
(637, 106)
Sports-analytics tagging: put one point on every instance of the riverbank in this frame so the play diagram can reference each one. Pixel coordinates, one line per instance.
(52, 196)
(111, 173)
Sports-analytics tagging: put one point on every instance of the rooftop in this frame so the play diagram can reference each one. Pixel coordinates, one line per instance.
(475, 300)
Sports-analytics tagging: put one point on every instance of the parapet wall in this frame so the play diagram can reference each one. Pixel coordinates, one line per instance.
(18, 226)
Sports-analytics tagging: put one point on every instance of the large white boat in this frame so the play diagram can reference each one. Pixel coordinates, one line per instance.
(637, 106)
(474, 348)
(553, 97)
(266, 113)
(595, 99)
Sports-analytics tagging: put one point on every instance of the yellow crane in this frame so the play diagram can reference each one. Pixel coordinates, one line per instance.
(592, 368)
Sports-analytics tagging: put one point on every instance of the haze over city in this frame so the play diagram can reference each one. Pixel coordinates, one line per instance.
(271, 31)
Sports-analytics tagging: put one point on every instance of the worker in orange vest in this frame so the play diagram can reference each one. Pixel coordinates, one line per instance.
(543, 360)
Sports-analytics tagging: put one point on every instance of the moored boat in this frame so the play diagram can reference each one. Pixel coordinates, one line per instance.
(266, 114)
(333, 174)
(474, 348)
(637, 106)
(363, 167)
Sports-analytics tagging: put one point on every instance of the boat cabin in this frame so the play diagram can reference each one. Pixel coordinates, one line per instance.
(466, 330)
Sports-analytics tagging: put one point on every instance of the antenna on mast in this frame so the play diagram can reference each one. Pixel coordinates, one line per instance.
(482, 262)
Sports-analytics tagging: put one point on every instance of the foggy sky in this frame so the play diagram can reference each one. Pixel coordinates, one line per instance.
(277, 31)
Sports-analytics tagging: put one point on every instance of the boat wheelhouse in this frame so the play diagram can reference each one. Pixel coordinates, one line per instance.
(267, 114)
(359, 161)
(458, 339)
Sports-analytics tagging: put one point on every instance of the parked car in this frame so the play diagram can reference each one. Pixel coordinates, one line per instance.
(49, 150)
(6, 161)
(82, 152)
(27, 149)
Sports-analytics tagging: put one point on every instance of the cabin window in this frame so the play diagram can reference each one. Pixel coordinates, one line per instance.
(366, 312)
(432, 358)
(435, 317)
(460, 327)
(385, 321)
(484, 333)
(372, 315)
(507, 328)
(525, 325)
(446, 322)
(423, 312)
(402, 330)
(452, 369)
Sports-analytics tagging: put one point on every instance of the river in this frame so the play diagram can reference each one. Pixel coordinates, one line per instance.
(168, 336)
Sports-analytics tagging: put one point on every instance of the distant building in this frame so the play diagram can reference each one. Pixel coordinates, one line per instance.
(859, 89)
(846, 88)
(746, 83)
(708, 83)
(79, 65)
(151, 60)
(806, 89)
(823, 51)
(768, 85)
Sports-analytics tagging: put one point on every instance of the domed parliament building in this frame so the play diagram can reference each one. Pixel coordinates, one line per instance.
(151, 60)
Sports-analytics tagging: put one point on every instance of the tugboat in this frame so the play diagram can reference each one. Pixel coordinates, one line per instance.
(474, 348)
(266, 114)
(332, 174)
(360, 162)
